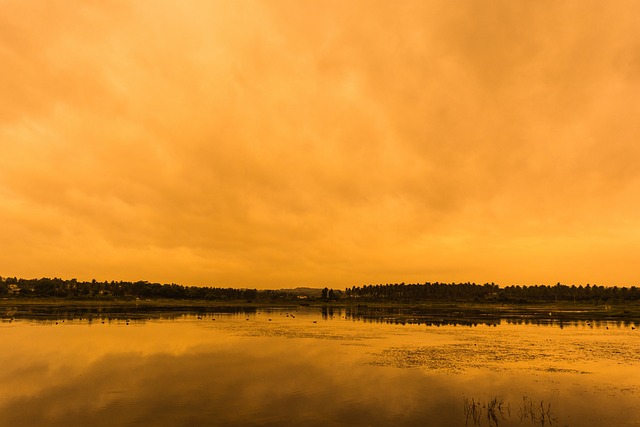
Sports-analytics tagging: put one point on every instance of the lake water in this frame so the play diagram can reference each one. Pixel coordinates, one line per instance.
(306, 367)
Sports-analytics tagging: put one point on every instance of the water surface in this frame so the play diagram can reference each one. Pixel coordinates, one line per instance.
(309, 366)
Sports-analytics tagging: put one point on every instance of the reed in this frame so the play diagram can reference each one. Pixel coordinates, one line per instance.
(492, 412)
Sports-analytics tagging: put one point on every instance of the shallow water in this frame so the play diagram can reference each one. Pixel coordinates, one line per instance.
(307, 366)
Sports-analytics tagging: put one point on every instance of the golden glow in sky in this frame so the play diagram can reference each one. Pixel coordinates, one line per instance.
(312, 143)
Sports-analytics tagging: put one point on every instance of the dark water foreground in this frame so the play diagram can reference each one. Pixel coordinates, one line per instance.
(124, 366)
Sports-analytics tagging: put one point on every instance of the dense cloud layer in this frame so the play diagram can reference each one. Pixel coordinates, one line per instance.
(282, 143)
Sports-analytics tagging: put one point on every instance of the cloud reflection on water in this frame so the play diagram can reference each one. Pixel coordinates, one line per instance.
(283, 372)
(287, 386)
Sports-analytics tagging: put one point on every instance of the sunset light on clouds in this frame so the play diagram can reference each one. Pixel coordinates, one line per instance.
(279, 143)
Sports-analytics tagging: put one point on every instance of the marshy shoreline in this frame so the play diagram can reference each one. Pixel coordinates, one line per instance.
(453, 312)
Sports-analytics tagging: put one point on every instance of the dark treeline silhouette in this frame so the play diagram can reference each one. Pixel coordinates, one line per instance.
(398, 292)
(74, 289)
(401, 292)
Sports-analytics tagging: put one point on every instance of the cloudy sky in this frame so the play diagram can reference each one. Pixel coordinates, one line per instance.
(308, 143)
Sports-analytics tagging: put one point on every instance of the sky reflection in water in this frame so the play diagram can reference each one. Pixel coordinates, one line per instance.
(277, 369)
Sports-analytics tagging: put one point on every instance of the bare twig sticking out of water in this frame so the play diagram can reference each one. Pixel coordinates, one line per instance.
(493, 409)
(473, 411)
(491, 413)
(535, 412)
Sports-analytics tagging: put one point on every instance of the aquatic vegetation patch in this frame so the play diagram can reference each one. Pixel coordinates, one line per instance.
(446, 358)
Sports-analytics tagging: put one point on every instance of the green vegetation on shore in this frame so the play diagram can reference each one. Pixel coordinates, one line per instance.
(461, 292)
(398, 293)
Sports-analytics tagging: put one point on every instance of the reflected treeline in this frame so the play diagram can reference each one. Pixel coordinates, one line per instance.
(491, 316)
(127, 313)
(399, 315)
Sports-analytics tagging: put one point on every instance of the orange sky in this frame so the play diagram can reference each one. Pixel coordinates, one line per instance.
(308, 143)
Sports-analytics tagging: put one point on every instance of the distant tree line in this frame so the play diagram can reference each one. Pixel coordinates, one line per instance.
(74, 289)
(402, 292)
(397, 292)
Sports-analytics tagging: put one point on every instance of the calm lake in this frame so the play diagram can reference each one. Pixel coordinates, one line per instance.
(309, 366)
